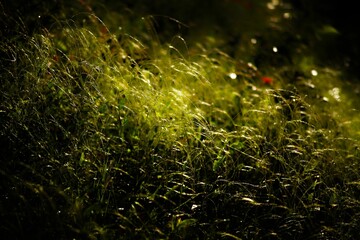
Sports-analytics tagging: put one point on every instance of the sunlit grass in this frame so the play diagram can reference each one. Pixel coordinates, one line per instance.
(112, 135)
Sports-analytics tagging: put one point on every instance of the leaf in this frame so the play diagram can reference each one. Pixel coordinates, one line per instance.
(82, 159)
(225, 234)
(249, 200)
(217, 163)
(183, 224)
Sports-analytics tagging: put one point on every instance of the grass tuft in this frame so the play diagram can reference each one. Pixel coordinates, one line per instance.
(114, 133)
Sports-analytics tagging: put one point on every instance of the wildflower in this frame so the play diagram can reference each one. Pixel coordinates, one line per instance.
(267, 80)
(55, 58)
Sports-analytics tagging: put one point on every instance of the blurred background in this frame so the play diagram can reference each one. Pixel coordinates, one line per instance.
(325, 29)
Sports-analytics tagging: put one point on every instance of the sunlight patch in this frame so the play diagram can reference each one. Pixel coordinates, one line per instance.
(335, 93)
(314, 72)
(232, 75)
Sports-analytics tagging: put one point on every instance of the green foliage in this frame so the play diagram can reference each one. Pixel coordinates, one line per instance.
(111, 132)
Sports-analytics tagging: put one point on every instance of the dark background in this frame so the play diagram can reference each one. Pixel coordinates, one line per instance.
(339, 50)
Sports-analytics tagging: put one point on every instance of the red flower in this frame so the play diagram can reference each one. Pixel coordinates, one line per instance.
(103, 30)
(267, 80)
(56, 58)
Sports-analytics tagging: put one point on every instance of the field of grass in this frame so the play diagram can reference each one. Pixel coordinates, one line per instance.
(112, 128)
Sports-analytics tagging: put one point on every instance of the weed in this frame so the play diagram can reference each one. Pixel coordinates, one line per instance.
(109, 134)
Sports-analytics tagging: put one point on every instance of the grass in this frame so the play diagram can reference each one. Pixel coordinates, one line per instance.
(112, 134)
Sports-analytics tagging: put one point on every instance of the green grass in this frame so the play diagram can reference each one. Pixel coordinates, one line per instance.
(119, 134)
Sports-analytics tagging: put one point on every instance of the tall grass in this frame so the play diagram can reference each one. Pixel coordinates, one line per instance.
(109, 136)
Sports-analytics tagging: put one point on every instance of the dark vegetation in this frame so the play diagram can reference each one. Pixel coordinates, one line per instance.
(179, 120)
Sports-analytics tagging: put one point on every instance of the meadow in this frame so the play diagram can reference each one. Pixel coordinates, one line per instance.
(125, 125)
